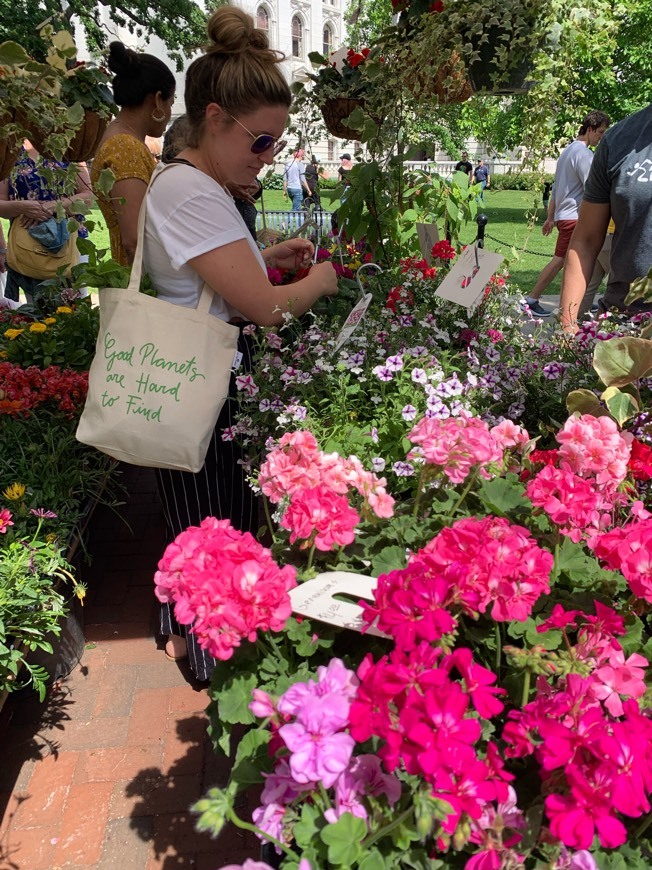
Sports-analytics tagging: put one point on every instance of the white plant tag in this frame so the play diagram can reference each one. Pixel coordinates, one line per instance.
(237, 359)
(315, 599)
(428, 236)
(471, 273)
(353, 320)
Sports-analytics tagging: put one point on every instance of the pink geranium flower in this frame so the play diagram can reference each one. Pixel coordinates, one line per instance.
(321, 517)
(5, 520)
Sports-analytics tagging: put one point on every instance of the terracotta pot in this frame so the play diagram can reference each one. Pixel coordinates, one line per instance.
(83, 144)
(334, 111)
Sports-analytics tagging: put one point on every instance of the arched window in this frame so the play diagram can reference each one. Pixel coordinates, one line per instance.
(297, 37)
(262, 19)
(327, 40)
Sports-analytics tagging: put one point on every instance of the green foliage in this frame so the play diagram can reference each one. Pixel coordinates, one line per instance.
(67, 340)
(32, 605)
(521, 181)
(179, 24)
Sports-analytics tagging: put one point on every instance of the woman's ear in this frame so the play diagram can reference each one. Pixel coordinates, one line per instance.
(215, 115)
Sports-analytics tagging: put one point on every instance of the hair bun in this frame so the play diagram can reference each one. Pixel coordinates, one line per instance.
(122, 60)
(231, 31)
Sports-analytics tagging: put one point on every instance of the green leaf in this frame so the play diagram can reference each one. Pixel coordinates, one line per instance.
(234, 700)
(503, 494)
(309, 824)
(389, 559)
(344, 839)
(12, 54)
(620, 361)
(621, 405)
(584, 402)
(373, 861)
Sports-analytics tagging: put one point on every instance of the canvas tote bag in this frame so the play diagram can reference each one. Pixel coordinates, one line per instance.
(160, 375)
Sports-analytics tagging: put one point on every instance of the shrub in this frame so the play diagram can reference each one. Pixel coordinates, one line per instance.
(521, 181)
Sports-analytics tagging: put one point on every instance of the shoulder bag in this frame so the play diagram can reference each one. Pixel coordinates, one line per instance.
(160, 375)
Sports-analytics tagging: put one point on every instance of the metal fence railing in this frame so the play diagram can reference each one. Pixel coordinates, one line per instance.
(291, 221)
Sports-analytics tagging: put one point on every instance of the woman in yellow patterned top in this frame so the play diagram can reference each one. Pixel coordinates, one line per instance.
(143, 87)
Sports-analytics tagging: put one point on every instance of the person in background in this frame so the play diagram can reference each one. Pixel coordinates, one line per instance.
(155, 146)
(31, 200)
(143, 87)
(346, 165)
(237, 101)
(482, 177)
(465, 165)
(295, 185)
(3, 263)
(313, 174)
(572, 171)
(619, 186)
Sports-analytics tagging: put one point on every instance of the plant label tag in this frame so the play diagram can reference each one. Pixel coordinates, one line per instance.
(237, 359)
(466, 281)
(353, 320)
(316, 599)
(428, 236)
(337, 58)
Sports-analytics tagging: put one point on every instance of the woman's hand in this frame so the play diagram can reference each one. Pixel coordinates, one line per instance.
(34, 212)
(291, 255)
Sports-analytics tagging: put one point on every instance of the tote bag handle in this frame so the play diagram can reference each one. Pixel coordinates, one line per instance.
(207, 293)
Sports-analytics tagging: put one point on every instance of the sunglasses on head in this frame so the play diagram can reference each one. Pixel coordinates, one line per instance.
(263, 142)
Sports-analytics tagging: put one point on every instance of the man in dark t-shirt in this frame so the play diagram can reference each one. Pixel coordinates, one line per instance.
(465, 165)
(619, 186)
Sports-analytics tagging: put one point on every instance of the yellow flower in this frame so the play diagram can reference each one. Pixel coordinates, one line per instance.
(37, 327)
(50, 537)
(3, 354)
(49, 320)
(11, 334)
(14, 492)
(63, 309)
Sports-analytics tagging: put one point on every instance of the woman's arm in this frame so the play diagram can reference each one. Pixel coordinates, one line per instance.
(127, 197)
(31, 209)
(234, 272)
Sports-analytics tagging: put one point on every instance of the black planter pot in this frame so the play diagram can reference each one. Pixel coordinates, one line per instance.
(482, 72)
(67, 648)
(269, 854)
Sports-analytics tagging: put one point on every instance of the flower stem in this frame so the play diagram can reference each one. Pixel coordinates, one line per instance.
(267, 516)
(311, 556)
(388, 828)
(464, 494)
(526, 688)
(420, 485)
(645, 824)
(245, 826)
(499, 647)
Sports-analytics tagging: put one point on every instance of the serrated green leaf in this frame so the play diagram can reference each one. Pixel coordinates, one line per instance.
(344, 839)
(502, 495)
(388, 559)
(235, 698)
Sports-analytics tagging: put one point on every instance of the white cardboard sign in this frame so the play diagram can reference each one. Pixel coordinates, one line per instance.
(428, 236)
(471, 273)
(315, 599)
(353, 320)
(338, 57)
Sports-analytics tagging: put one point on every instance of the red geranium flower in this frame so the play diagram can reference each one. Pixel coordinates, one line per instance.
(640, 461)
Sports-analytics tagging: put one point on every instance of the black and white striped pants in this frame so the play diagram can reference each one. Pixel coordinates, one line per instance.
(219, 490)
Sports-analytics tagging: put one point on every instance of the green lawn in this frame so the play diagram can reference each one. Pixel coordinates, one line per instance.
(507, 222)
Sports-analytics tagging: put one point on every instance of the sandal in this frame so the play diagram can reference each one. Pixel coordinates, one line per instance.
(176, 648)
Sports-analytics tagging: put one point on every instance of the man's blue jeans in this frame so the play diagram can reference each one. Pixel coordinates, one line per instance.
(296, 195)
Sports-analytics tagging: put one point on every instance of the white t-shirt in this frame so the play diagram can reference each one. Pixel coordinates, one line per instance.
(572, 171)
(189, 214)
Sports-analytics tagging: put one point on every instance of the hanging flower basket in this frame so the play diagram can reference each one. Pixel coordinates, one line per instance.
(84, 143)
(484, 75)
(334, 111)
(458, 89)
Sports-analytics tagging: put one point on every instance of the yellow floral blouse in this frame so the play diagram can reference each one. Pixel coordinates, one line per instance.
(126, 157)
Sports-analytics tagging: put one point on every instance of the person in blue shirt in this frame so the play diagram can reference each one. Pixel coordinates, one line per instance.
(294, 180)
(481, 176)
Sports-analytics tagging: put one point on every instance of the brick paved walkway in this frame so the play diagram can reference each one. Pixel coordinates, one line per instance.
(102, 774)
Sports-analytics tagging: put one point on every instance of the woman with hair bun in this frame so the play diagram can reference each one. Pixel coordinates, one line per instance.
(144, 88)
(237, 102)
